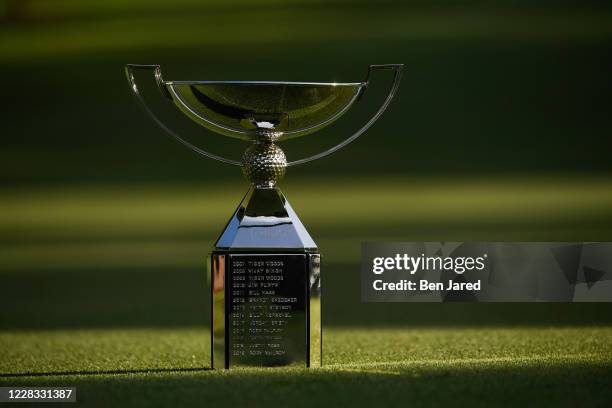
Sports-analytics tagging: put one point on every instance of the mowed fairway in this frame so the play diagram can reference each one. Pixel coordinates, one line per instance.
(104, 289)
(363, 367)
(499, 132)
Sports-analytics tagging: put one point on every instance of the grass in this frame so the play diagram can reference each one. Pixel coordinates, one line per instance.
(103, 290)
(395, 367)
(488, 87)
(107, 256)
(71, 226)
(87, 29)
(102, 286)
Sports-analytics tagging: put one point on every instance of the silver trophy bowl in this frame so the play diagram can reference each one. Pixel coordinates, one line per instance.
(246, 110)
(263, 111)
(264, 240)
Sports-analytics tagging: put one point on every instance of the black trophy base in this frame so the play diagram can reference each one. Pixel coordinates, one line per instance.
(265, 309)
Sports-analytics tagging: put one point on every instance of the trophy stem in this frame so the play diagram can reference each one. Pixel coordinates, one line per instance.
(264, 163)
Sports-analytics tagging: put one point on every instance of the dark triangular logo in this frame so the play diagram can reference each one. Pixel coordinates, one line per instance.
(568, 258)
(592, 276)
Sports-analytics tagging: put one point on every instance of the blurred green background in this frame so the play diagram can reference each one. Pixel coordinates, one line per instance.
(500, 131)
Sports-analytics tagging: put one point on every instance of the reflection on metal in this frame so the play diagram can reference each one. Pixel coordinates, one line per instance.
(246, 110)
(267, 305)
(218, 333)
(315, 334)
(129, 71)
(264, 228)
(247, 315)
(263, 110)
(265, 219)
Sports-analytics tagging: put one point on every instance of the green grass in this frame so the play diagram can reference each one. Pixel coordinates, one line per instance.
(101, 274)
(170, 226)
(133, 256)
(398, 367)
(86, 30)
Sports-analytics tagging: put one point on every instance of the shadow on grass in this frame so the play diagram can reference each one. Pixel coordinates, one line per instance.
(509, 383)
(102, 372)
(164, 297)
(104, 297)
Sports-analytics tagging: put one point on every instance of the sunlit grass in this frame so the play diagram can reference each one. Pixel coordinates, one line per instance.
(363, 368)
(176, 225)
(333, 204)
(75, 31)
(351, 349)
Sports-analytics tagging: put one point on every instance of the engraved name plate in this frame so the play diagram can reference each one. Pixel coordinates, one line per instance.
(267, 309)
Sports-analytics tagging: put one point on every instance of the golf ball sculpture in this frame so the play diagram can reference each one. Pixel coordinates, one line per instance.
(264, 267)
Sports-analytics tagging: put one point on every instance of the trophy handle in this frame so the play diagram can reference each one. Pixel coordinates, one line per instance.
(397, 68)
(129, 72)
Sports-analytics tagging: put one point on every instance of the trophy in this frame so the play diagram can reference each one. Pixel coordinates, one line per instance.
(264, 267)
